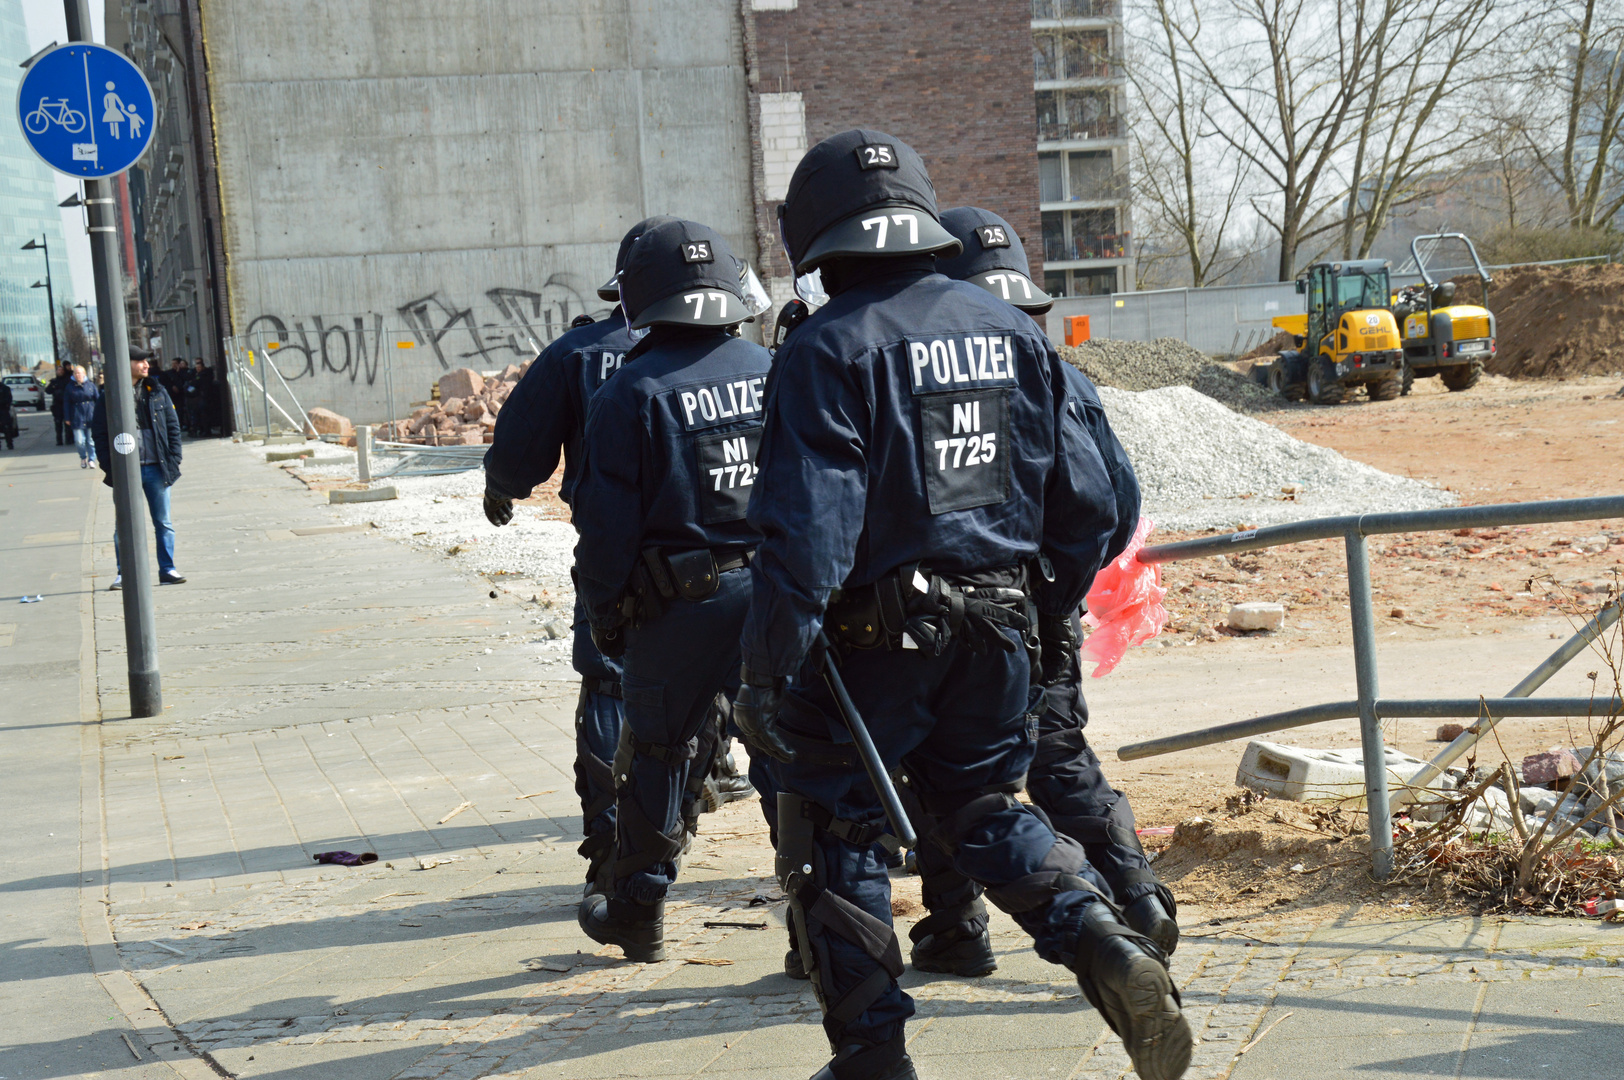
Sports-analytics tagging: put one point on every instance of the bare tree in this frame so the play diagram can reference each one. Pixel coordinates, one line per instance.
(1416, 124)
(1581, 75)
(1189, 186)
(10, 358)
(1285, 87)
(74, 339)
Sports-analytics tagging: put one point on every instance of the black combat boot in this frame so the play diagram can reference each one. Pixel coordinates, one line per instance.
(1124, 977)
(953, 938)
(725, 784)
(888, 1061)
(1150, 917)
(956, 950)
(639, 929)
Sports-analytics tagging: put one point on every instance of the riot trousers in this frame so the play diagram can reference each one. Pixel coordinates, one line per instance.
(675, 665)
(1067, 783)
(965, 726)
(598, 718)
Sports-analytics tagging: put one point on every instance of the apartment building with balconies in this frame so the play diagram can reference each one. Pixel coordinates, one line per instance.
(1080, 88)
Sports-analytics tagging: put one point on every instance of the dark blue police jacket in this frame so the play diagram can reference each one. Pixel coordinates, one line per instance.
(1085, 406)
(916, 418)
(546, 412)
(669, 457)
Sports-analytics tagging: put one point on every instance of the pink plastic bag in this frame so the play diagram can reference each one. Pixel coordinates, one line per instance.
(1124, 605)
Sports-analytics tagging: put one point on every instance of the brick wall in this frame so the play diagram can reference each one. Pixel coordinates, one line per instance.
(952, 78)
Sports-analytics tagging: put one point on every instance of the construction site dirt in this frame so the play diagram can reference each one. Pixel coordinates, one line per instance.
(1555, 320)
(1456, 613)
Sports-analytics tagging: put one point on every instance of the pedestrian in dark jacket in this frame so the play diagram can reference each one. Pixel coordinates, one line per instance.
(8, 423)
(160, 450)
(175, 380)
(56, 388)
(80, 397)
(200, 398)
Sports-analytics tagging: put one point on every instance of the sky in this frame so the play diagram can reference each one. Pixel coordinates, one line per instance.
(45, 25)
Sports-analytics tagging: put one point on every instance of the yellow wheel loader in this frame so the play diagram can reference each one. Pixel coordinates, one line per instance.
(1452, 341)
(1347, 338)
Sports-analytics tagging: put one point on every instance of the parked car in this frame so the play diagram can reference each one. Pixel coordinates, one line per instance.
(26, 390)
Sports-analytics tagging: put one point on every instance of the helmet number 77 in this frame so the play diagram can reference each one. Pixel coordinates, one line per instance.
(912, 221)
(697, 299)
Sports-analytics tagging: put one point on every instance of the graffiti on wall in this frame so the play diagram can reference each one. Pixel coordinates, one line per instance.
(356, 346)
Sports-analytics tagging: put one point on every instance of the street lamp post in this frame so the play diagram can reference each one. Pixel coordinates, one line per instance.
(50, 297)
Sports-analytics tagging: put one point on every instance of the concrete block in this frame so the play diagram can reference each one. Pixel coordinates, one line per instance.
(1302, 775)
(1257, 615)
(326, 422)
(461, 383)
(288, 455)
(382, 494)
(1550, 766)
(274, 440)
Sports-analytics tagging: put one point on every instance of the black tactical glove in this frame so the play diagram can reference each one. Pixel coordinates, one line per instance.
(755, 710)
(610, 642)
(1060, 639)
(498, 508)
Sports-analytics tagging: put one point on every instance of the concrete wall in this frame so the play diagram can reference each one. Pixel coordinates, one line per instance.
(457, 168)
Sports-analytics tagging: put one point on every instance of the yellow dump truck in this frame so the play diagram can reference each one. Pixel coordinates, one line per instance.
(1347, 338)
(1441, 337)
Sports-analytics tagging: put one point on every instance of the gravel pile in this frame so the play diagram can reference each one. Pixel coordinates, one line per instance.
(1204, 466)
(1151, 365)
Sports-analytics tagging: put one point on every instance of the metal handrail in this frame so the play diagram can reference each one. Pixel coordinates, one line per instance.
(1369, 707)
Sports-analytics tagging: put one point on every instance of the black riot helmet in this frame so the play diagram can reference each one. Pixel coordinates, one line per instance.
(860, 194)
(682, 273)
(610, 290)
(992, 258)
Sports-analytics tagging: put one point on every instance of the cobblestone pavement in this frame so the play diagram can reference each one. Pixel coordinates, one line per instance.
(342, 692)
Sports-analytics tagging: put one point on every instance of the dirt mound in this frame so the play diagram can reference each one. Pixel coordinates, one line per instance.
(1555, 320)
(1273, 347)
(1265, 854)
(1151, 365)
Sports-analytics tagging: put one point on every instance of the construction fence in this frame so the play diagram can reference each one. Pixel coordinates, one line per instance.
(1221, 320)
(369, 374)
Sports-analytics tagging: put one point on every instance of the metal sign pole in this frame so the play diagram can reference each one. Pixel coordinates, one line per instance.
(140, 631)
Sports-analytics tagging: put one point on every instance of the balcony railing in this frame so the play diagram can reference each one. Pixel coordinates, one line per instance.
(1066, 131)
(1076, 9)
(1098, 246)
(1053, 69)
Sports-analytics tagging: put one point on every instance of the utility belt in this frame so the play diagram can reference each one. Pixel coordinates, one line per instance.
(664, 575)
(914, 608)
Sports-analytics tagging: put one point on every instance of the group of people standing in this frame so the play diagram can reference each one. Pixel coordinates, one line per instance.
(191, 390)
(913, 487)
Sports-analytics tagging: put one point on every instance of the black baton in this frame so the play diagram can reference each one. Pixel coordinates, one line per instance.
(901, 827)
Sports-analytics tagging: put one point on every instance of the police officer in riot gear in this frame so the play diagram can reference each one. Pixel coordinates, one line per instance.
(1065, 779)
(542, 420)
(670, 448)
(918, 455)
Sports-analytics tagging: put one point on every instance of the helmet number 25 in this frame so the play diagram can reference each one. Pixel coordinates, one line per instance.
(697, 299)
(911, 220)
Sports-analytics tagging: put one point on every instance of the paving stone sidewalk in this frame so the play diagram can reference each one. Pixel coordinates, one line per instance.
(338, 691)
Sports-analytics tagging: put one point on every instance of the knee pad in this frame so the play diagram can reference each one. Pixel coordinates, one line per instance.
(641, 842)
(803, 875)
(1058, 873)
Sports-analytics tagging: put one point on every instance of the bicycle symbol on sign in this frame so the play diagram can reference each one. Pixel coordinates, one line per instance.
(48, 112)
